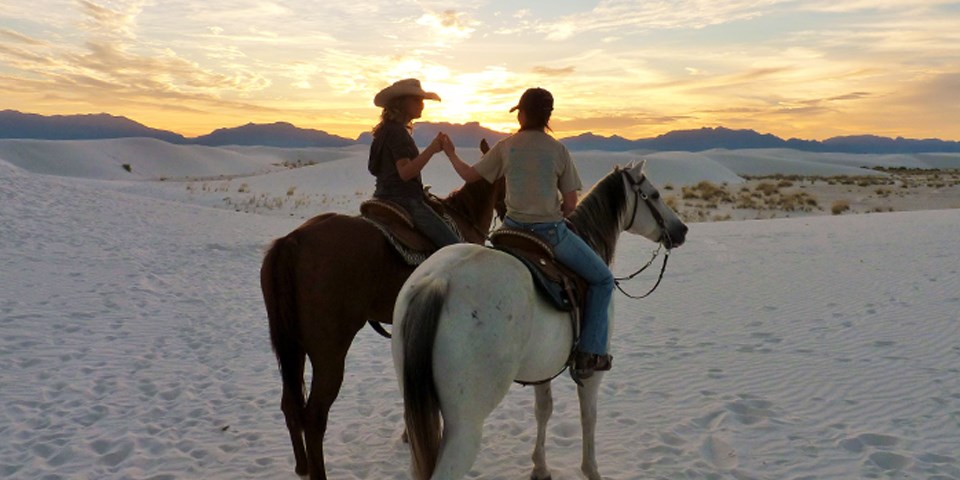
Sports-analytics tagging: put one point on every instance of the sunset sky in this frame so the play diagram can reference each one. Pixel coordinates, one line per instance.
(805, 69)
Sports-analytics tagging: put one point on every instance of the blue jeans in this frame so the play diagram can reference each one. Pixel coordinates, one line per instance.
(427, 221)
(576, 255)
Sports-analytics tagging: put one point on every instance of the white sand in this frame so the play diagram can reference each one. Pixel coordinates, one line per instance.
(133, 340)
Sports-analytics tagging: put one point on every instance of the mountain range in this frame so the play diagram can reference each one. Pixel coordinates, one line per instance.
(14, 124)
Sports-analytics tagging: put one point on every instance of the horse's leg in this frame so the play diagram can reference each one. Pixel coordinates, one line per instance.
(465, 403)
(543, 410)
(588, 423)
(291, 407)
(328, 367)
(458, 449)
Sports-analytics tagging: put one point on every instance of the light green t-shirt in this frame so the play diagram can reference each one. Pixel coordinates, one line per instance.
(538, 169)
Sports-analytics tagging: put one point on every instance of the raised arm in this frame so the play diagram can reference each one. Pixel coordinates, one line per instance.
(409, 168)
(466, 172)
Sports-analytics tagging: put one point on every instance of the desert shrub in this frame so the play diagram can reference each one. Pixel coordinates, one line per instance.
(768, 189)
(672, 202)
(746, 200)
(127, 167)
(839, 207)
(708, 191)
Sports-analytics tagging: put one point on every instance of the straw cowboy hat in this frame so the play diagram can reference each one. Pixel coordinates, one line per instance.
(401, 88)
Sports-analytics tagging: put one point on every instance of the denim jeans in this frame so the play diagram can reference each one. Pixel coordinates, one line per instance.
(576, 255)
(427, 221)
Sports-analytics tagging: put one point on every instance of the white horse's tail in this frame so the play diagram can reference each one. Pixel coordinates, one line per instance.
(421, 404)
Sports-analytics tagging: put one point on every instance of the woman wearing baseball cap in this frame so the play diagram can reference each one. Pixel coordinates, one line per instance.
(542, 189)
(396, 162)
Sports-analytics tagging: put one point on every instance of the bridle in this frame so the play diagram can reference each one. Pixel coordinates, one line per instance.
(636, 186)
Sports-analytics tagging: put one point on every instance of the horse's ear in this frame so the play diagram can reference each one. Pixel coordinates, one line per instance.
(636, 167)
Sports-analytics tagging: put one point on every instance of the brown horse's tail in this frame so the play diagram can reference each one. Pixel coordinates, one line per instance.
(278, 282)
(421, 403)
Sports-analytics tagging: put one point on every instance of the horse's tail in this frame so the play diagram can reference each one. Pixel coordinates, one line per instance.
(278, 282)
(421, 403)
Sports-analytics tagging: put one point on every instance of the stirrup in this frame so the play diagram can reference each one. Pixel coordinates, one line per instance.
(585, 364)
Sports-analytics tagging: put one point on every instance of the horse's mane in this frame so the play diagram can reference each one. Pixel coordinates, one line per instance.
(597, 216)
(472, 199)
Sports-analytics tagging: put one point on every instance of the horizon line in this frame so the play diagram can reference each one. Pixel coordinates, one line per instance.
(582, 132)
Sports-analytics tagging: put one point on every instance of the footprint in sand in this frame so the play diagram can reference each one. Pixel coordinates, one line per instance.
(890, 461)
(749, 411)
(719, 453)
(857, 444)
(936, 459)
(878, 440)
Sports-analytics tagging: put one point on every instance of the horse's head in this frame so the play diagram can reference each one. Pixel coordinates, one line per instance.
(650, 217)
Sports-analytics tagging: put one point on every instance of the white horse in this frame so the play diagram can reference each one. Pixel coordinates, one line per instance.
(471, 323)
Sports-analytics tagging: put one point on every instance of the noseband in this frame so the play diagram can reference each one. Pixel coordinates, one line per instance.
(665, 235)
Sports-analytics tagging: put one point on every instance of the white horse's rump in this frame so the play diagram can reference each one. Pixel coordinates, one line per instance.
(470, 323)
(490, 312)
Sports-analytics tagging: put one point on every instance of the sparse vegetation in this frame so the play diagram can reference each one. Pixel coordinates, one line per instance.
(839, 207)
(785, 195)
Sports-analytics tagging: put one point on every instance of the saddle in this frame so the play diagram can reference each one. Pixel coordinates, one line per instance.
(397, 225)
(561, 286)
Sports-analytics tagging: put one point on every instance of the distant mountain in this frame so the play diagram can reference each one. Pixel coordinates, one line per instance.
(279, 134)
(14, 124)
(875, 144)
(720, 137)
(590, 141)
(708, 138)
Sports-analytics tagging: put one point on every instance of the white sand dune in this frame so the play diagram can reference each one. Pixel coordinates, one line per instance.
(133, 339)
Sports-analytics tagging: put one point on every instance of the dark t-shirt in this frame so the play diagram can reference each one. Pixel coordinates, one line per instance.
(391, 143)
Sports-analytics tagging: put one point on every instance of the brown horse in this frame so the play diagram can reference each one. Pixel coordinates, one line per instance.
(321, 283)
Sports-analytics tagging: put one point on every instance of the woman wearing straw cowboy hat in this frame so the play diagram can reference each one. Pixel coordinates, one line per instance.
(397, 162)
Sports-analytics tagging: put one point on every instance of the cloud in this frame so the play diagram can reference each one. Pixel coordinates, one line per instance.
(638, 16)
(552, 72)
(19, 37)
(611, 124)
(448, 24)
(849, 6)
(105, 20)
(23, 59)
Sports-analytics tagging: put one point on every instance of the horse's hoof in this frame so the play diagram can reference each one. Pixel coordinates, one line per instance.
(534, 477)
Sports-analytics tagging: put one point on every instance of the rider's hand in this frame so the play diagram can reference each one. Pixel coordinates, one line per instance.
(448, 146)
(436, 146)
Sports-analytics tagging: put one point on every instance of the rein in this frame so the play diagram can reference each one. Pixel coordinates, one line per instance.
(617, 280)
(661, 223)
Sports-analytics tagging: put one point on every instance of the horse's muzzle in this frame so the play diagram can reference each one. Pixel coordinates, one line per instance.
(675, 236)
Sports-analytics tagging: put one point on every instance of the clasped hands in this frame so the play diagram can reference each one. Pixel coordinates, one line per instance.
(442, 142)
